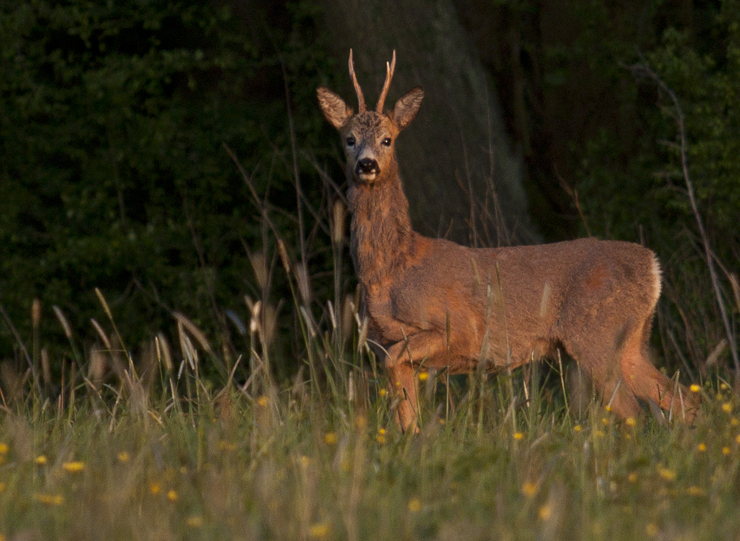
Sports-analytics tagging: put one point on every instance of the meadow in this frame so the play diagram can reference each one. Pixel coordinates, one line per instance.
(148, 446)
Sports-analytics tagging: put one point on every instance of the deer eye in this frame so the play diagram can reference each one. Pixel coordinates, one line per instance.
(386, 142)
(350, 141)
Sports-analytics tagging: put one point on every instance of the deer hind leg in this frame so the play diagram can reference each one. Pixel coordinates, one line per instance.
(599, 360)
(616, 394)
(400, 362)
(648, 384)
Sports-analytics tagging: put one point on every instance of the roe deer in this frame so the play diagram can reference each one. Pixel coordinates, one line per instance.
(435, 302)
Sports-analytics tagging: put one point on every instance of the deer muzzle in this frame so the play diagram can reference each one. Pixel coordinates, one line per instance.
(367, 169)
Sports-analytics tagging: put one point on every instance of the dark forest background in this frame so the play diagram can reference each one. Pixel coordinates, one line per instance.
(116, 117)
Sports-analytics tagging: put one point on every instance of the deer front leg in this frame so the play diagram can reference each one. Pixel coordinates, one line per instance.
(400, 361)
(403, 387)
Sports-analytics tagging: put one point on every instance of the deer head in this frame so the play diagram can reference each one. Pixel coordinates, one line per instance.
(369, 137)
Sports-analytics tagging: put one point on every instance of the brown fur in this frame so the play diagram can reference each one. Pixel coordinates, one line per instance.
(449, 306)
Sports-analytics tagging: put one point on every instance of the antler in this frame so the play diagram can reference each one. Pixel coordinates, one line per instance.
(358, 90)
(388, 76)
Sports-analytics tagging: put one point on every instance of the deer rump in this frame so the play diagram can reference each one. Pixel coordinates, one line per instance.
(434, 303)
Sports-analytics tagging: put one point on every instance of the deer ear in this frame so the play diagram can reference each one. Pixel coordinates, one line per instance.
(405, 109)
(333, 107)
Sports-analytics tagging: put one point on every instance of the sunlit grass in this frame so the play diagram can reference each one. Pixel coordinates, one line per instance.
(293, 464)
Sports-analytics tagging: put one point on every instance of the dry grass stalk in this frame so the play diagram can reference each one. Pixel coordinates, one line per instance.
(101, 333)
(36, 313)
(183, 321)
(63, 321)
(164, 353)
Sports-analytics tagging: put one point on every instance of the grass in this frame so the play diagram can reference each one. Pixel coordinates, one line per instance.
(169, 454)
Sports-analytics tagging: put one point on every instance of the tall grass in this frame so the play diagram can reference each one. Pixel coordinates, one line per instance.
(155, 451)
(181, 438)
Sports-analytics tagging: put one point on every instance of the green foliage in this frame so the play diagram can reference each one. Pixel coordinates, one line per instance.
(712, 117)
(113, 174)
(702, 69)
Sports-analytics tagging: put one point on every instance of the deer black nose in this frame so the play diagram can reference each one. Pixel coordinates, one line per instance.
(366, 165)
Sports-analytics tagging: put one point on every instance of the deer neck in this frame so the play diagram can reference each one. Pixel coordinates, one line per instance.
(381, 235)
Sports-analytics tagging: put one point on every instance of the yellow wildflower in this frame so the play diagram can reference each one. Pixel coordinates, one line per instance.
(154, 488)
(630, 421)
(665, 473)
(73, 467)
(423, 376)
(330, 438)
(702, 447)
(725, 450)
(382, 392)
(545, 512)
(49, 499)
(529, 489)
(318, 530)
(727, 407)
(40, 460)
(651, 529)
(518, 436)
(414, 505)
(632, 477)
(694, 388)
(3, 448)
(262, 401)
(577, 428)
(123, 456)
(695, 491)
(172, 496)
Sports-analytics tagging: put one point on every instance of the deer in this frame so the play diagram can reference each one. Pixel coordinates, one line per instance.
(432, 303)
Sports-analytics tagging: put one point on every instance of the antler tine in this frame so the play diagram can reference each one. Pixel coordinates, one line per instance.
(358, 90)
(389, 69)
